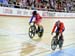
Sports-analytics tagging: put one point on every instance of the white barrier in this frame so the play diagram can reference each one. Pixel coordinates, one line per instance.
(25, 12)
(16, 11)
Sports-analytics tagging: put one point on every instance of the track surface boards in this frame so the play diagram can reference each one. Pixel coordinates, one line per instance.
(14, 39)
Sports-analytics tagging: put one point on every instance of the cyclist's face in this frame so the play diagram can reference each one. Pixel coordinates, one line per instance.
(34, 15)
(58, 23)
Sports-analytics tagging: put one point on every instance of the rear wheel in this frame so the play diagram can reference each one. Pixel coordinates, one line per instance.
(41, 30)
(60, 44)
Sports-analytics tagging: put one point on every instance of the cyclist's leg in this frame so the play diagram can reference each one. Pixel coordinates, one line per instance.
(62, 34)
(38, 25)
(57, 34)
(61, 37)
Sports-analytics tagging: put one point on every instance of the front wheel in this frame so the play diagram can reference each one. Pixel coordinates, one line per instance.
(54, 43)
(32, 31)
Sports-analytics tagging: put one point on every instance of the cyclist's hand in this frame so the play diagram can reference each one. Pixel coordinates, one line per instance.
(29, 23)
(51, 33)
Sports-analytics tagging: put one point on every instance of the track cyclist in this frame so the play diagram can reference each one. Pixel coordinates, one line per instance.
(37, 19)
(59, 26)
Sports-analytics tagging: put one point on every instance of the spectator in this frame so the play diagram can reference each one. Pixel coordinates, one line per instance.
(32, 6)
(69, 5)
(58, 6)
(64, 5)
(1, 1)
(52, 3)
(28, 2)
(17, 4)
(5, 3)
(13, 1)
(23, 2)
(10, 2)
(38, 1)
(48, 7)
(39, 4)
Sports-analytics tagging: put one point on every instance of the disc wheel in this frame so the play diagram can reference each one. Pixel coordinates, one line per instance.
(40, 33)
(60, 43)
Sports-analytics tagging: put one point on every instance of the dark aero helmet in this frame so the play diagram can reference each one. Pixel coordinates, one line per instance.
(34, 12)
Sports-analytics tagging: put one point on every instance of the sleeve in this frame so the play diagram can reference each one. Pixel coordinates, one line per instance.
(54, 28)
(38, 16)
(31, 19)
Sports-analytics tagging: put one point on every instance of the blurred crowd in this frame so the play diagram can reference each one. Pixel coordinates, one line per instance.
(45, 5)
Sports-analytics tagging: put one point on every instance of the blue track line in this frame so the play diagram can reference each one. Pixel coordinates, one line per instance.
(65, 52)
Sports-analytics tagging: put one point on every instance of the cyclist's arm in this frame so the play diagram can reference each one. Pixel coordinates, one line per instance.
(31, 19)
(54, 28)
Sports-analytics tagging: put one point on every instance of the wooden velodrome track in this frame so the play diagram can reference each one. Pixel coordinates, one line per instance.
(14, 39)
